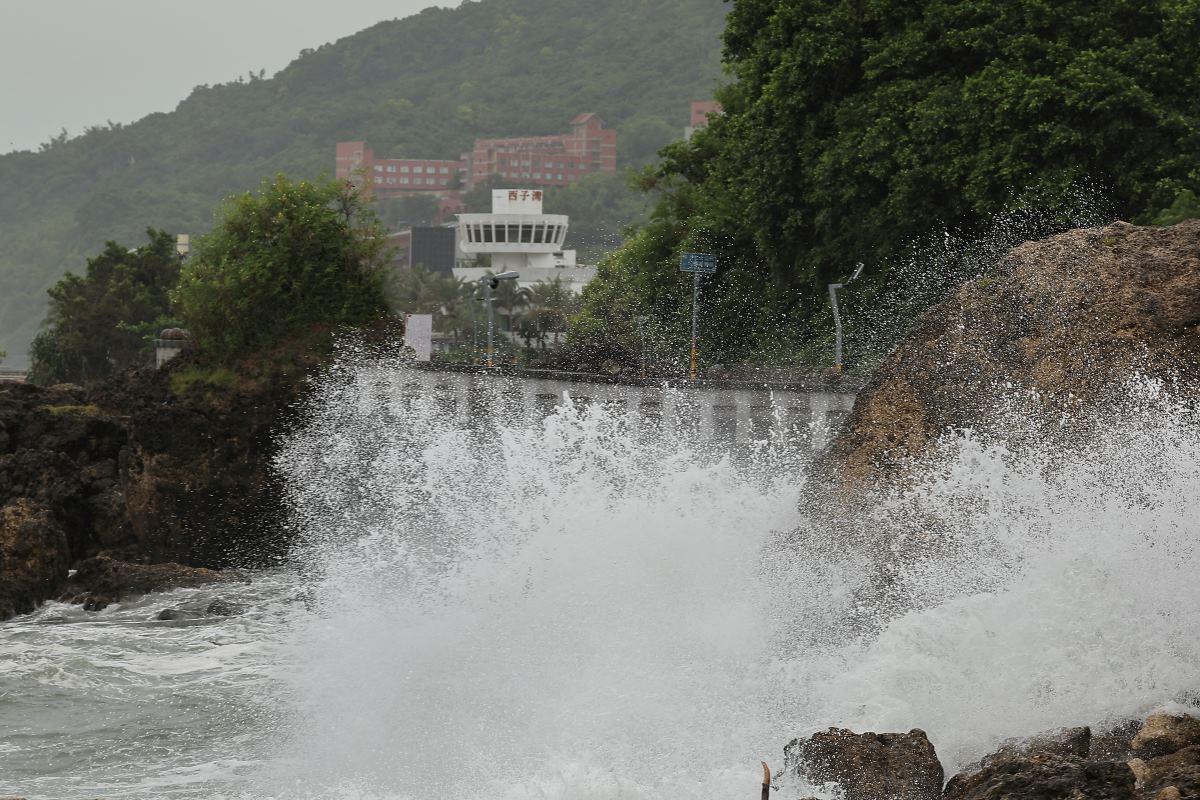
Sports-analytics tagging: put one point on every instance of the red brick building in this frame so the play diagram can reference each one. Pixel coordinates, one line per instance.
(702, 110)
(393, 177)
(562, 160)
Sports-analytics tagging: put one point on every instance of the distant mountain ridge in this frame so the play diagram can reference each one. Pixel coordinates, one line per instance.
(424, 86)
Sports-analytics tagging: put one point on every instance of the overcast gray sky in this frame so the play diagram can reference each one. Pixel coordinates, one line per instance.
(73, 63)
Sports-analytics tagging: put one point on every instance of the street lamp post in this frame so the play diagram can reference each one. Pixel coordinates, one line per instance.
(837, 318)
(641, 326)
(490, 282)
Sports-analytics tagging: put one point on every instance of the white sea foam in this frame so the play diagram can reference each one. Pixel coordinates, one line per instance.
(574, 609)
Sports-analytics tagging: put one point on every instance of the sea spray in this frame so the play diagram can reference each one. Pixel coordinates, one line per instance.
(579, 606)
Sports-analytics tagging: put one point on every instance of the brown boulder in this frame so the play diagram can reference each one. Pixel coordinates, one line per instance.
(869, 766)
(33, 556)
(1066, 318)
(1164, 733)
(1179, 769)
(102, 580)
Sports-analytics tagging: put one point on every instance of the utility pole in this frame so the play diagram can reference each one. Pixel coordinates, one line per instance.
(837, 317)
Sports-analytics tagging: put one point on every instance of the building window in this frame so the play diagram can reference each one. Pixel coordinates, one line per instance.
(418, 170)
(391, 180)
(404, 179)
(514, 233)
(537, 175)
(378, 179)
(445, 183)
(430, 182)
(404, 169)
(539, 234)
(391, 167)
(526, 234)
(444, 170)
(500, 233)
(378, 168)
(487, 233)
(560, 177)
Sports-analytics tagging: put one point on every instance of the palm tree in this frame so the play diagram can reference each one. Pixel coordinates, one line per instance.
(509, 297)
(550, 306)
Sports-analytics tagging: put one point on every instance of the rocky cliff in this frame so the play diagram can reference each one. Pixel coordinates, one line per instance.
(1064, 320)
(152, 467)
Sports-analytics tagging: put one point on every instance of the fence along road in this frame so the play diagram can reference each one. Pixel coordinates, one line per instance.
(725, 416)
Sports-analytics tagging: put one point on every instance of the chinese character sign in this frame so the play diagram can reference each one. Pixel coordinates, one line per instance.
(516, 201)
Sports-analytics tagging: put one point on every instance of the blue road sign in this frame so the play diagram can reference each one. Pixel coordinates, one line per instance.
(703, 263)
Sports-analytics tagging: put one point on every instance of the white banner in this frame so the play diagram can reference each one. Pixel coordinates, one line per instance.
(418, 334)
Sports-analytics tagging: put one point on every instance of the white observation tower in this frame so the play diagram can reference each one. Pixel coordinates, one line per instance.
(517, 235)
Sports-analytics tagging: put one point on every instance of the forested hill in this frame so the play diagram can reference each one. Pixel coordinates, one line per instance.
(425, 86)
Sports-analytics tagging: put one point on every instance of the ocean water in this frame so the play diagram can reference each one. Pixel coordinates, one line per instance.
(587, 606)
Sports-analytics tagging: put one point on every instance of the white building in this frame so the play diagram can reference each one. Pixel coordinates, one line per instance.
(518, 236)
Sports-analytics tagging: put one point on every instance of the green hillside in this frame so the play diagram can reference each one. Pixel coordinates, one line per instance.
(425, 86)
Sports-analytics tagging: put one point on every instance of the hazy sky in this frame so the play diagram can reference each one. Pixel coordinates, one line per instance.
(73, 63)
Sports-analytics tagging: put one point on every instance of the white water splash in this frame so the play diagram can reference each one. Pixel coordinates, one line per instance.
(576, 609)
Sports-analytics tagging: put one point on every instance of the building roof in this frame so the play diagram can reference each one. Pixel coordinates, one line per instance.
(582, 118)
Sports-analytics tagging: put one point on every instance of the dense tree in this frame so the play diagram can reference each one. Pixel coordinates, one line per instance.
(104, 320)
(282, 260)
(865, 131)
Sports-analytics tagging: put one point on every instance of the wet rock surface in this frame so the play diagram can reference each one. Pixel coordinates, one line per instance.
(1046, 777)
(869, 766)
(1064, 320)
(34, 556)
(1066, 764)
(140, 469)
(102, 580)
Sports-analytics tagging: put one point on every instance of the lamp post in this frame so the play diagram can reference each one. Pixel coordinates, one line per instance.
(490, 282)
(837, 317)
(641, 326)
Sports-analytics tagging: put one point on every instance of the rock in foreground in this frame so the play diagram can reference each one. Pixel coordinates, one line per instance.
(1068, 764)
(869, 766)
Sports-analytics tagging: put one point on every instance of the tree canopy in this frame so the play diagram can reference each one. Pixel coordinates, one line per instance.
(104, 320)
(282, 260)
(866, 131)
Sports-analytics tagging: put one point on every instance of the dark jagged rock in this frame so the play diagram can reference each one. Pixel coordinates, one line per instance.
(100, 581)
(1045, 778)
(1067, 317)
(33, 556)
(869, 766)
(223, 608)
(1115, 742)
(1064, 743)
